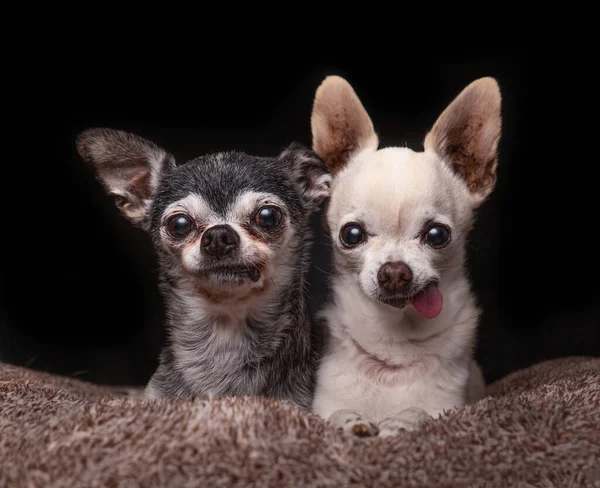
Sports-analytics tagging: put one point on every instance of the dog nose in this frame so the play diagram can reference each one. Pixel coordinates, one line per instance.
(394, 276)
(219, 241)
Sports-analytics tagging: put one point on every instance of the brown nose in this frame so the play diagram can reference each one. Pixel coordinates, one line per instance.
(394, 276)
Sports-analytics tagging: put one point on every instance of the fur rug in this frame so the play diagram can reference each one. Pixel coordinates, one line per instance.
(537, 427)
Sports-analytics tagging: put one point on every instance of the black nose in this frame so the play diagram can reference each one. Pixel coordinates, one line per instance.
(394, 277)
(219, 241)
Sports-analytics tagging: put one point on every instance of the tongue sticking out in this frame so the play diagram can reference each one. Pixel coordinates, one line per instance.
(428, 302)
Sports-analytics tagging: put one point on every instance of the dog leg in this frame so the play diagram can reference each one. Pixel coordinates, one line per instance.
(409, 419)
(351, 423)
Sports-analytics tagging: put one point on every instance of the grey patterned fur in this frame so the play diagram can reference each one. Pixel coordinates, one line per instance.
(232, 235)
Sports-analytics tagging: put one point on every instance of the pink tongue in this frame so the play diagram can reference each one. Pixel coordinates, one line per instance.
(428, 302)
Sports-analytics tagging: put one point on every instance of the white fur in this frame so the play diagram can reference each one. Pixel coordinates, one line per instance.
(386, 365)
(393, 191)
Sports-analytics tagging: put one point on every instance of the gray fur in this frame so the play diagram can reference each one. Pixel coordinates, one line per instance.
(269, 348)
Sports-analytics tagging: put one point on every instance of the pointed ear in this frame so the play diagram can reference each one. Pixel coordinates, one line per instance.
(341, 126)
(128, 167)
(466, 136)
(310, 172)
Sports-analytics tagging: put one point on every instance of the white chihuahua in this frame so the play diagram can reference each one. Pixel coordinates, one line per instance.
(402, 319)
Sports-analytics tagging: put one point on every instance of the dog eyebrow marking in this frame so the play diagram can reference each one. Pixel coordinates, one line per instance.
(247, 202)
(194, 205)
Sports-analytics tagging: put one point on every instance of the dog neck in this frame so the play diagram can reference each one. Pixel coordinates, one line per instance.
(239, 348)
(243, 328)
(398, 337)
(222, 311)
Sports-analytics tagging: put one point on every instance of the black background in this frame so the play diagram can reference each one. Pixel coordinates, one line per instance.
(78, 283)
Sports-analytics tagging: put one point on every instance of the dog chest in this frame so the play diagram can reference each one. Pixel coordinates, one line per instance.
(341, 385)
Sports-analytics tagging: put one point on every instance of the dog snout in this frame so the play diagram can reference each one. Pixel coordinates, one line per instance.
(394, 277)
(219, 241)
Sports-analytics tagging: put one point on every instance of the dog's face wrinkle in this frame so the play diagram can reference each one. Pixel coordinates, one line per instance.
(267, 236)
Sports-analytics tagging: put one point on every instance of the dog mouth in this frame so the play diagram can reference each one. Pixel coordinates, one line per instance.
(232, 274)
(428, 301)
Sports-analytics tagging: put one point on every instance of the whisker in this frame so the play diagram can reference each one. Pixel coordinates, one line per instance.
(323, 271)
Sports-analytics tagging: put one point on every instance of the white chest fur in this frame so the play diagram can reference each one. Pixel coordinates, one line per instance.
(406, 364)
(349, 381)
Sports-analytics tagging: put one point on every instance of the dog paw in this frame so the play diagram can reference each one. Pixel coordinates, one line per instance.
(351, 423)
(407, 420)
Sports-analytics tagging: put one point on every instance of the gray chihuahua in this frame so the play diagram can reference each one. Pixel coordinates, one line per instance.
(232, 236)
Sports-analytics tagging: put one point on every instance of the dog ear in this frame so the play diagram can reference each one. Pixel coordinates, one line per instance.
(310, 173)
(128, 166)
(341, 127)
(466, 136)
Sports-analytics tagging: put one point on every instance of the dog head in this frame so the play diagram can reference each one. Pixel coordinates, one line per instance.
(223, 223)
(399, 219)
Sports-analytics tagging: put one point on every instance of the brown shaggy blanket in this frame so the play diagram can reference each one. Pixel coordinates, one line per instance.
(537, 427)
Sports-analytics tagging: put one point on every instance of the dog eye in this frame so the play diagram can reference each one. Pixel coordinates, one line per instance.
(352, 234)
(179, 226)
(437, 235)
(268, 217)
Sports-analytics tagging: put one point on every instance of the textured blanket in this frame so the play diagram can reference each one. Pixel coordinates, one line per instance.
(537, 427)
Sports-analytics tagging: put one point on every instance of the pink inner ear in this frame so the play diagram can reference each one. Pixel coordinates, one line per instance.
(466, 135)
(340, 124)
(139, 185)
(472, 156)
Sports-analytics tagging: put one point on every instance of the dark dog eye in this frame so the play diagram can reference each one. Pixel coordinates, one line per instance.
(268, 217)
(352, 235)
(179, 226)
(437, 235)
